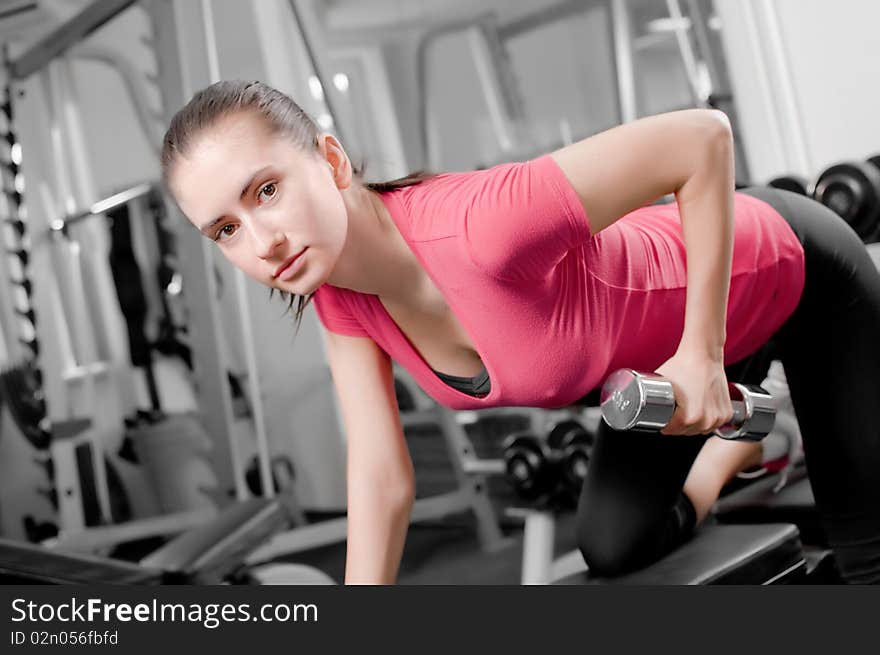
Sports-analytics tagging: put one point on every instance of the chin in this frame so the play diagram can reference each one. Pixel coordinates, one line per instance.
(300, 287)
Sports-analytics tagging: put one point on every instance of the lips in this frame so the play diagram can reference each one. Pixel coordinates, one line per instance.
(283, 266)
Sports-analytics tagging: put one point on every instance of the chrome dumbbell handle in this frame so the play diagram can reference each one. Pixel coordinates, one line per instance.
(631, 400)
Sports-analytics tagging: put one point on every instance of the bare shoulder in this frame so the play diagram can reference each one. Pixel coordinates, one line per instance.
(345, 350)
(362, 372)
(632, 165)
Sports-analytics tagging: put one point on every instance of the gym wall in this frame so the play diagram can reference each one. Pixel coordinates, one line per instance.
(805, 76)
(578, 99)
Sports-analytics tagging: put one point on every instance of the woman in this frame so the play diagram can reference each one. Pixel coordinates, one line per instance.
(527, 283)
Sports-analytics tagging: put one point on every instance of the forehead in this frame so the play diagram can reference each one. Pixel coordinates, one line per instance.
(210, 175)
(238, 138)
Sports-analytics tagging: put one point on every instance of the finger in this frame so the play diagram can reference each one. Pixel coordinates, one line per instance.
(702, 429)
(679, 428)
(682, 419)
(725, 417)
(676, 425)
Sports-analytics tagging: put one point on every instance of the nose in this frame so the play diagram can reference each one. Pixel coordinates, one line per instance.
(267, 240)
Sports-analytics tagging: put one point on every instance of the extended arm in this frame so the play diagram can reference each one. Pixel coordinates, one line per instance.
(687, 153)
(380, 478)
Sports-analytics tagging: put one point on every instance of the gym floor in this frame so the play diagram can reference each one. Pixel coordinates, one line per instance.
(447, 551)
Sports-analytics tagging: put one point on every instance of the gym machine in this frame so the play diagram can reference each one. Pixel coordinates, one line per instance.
(87, 384)
(211, 554)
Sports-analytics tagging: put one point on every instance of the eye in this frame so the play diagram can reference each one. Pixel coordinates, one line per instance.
(225, 232)
(268, 191)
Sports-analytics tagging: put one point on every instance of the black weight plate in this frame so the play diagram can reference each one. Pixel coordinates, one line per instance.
(562, 432)
(525, 459)
(852, 190)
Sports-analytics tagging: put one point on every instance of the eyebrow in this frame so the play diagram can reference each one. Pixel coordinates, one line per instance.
(206, 228)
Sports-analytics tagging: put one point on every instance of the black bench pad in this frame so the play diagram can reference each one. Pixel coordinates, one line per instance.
(721, 554)
(756, 503)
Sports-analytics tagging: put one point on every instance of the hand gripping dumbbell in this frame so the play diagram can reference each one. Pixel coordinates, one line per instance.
(631, 400)
(531, 466)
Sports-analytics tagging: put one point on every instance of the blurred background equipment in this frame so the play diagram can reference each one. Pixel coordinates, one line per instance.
(146, 386)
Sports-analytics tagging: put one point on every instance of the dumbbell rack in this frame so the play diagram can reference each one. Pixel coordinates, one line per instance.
(470, 472)
(471, 493)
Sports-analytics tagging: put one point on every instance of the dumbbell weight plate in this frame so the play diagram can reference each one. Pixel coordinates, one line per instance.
(754, 403)
(576, 459)
(528, 463)
(852, 190)
(629, 398)
(875, 163)
(561, 433)
(573, 442)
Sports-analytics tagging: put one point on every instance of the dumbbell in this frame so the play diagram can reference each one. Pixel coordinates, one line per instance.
(852, 190)
(793, 183)
(531, 466)
(631, 400)
(575, 444)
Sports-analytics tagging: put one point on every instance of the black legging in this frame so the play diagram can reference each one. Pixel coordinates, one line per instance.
(632, 510)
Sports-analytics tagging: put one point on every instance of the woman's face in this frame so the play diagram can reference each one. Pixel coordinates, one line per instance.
(274, 210)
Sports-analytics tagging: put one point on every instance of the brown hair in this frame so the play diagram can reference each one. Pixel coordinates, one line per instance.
(282, 115)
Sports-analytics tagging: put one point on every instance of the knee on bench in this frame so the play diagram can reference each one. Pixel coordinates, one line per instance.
(610, 552)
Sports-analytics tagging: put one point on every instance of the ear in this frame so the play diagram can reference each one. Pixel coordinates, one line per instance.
(337, 159)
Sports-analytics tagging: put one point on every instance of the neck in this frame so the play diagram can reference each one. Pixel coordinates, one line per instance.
(375, 258)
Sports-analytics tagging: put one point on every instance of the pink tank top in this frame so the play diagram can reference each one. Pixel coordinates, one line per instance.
(550, 309)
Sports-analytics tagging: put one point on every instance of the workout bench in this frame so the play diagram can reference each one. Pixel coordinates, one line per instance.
(717, 554)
